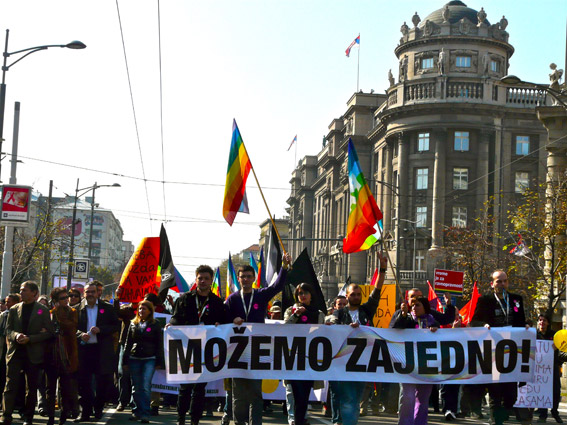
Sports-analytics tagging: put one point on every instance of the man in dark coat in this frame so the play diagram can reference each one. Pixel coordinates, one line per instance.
(196, 307)
(28, 328)
(501, 309)
(97, 324)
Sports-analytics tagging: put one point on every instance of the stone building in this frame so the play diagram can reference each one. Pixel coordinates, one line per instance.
(443, 139)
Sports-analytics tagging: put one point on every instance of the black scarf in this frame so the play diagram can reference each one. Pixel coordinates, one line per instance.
(311, 314)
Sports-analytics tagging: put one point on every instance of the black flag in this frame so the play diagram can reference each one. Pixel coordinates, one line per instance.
(167, 269)
(303, 272)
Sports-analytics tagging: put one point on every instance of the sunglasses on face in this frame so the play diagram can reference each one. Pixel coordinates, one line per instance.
(64, 297)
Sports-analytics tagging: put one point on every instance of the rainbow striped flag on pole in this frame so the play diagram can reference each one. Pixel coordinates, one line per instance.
(216, 286)
(364, 217)
(236, 175)
(231, 279)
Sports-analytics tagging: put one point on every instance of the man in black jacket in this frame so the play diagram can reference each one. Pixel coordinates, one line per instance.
(98, 323)
(501, 309)
(356, 314)
(196, 307)
(446, 318)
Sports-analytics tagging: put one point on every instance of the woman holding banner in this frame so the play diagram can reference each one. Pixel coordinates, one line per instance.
(303, 312)
(414, 401)
(143, 353)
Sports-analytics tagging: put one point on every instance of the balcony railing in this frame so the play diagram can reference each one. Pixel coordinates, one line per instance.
(420, 275)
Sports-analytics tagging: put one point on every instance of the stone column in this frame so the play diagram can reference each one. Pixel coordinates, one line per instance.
(387, 208)
(439, 177)
(482, 170)
(403, 170)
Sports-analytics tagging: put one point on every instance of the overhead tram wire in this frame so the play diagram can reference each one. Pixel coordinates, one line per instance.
(161, 112)
(134, 112)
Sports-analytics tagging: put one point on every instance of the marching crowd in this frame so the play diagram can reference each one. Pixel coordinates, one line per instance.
(79, 352)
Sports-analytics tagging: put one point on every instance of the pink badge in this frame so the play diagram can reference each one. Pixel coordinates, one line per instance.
(304, 318)
(516, 309)
(148, 329)
(255, 306)
(40, 312)
(101, 311)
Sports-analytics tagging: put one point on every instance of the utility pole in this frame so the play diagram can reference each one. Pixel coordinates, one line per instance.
(47, 250)
(8, 257)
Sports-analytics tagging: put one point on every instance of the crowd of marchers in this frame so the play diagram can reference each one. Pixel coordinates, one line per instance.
(68, 355)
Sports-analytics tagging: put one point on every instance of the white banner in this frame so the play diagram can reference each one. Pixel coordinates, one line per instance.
(272, 389)
(539, 393)
(320, 352)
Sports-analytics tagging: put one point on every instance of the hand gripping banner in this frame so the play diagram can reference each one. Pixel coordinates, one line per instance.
(320, 352)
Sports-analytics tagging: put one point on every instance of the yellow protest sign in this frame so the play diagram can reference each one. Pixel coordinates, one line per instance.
(386, 307)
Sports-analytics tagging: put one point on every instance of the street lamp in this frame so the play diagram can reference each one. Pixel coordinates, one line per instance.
(84, 190)
(5, 67)
(414, 245)
(512, 80)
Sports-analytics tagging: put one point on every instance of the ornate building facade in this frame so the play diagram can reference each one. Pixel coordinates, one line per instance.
(434, 148)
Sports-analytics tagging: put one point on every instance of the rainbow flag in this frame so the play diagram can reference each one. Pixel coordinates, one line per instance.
(254, 265)
(236, 175)
(180, 281)
(231, 279)
(216, 287)
(364, 217)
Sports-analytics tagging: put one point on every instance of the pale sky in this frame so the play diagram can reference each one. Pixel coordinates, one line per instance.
(278, 67)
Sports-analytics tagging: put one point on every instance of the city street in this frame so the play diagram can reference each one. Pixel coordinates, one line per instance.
(168, 416)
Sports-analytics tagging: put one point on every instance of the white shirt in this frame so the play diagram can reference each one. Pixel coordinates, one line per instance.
(91, 321)
(354, 316)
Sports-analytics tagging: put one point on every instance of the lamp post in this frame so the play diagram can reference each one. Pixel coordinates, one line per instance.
(6, 67)
(84, 190)
(414, 246)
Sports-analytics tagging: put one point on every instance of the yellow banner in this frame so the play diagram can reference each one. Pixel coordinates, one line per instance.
(387, 305)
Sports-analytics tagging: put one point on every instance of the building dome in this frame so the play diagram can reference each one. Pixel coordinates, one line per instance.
(457, 9)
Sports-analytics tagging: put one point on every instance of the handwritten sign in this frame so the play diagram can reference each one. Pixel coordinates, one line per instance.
(139, 277)
(540, 392)
(386, 307)
(448, 281)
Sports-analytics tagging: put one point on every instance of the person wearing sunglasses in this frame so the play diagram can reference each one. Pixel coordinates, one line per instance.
(63, 358)
(74, 298)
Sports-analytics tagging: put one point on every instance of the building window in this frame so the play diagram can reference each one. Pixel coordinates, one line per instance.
(463, 62)
(427, 63)
(494, 66)
(522, 145)
(461, 141)
(521, 182)
(421, 178)
(423, 142)
(460, 178)
(421, 216)
(459, 217)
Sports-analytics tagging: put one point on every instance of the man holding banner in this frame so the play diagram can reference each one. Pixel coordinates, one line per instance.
(250, 305)
(501, 309)
(356, 314)
(199, 306)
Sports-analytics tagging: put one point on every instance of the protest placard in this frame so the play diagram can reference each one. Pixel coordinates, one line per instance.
(539, 394)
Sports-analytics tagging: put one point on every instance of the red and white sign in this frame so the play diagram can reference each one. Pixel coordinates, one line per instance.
(16, 202)
(448, 281)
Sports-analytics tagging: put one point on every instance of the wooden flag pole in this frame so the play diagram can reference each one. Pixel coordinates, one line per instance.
(266, 204)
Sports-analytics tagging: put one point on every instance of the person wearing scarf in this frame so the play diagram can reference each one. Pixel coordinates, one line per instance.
(414, 400)
(306, 313)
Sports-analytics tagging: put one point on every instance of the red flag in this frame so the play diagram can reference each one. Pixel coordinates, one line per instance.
(374, 278)
(467, 311)
(140, 275)
(433, 299)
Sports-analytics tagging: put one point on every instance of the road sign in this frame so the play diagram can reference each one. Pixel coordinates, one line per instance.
(81, 270)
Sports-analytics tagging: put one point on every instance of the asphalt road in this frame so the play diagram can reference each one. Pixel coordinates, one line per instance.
(168, 417)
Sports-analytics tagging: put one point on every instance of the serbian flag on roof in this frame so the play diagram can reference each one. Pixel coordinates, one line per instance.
(364, 217)
(356, 41)
(236, 175)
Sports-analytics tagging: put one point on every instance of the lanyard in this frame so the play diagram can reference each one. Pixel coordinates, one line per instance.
(247, 310)
(201, 307)
(507, 311)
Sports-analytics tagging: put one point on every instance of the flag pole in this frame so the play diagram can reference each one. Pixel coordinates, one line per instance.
(296, 142)
(388, 257)
(265, 203)
(358, 66)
